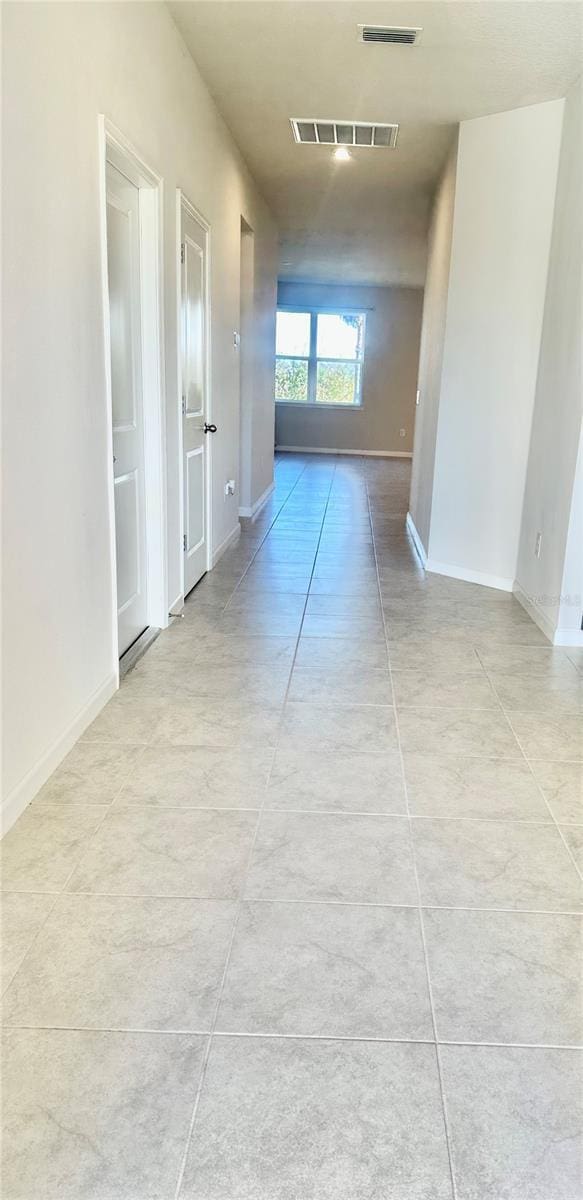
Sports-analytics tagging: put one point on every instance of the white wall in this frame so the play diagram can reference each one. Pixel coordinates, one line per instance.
(63, 65)
(431, 350)
(391, 352)
(263, 358)
(568, 630)
(257, 362)
(505, 191)
(551, 506)
(246, 363)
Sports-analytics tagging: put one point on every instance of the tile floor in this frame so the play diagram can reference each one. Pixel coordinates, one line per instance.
(299, 916)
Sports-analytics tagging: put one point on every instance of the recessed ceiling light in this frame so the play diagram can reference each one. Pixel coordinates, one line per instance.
(341, 154)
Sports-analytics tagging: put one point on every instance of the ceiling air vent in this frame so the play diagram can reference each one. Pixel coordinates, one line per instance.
(312, 132)
(393, 35)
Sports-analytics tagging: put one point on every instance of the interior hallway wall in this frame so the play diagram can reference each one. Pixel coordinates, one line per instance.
(63, 64)
(503, 215)
(431, 349)
(246, 364)
(558, 410)
(393, 326)
(569, 627)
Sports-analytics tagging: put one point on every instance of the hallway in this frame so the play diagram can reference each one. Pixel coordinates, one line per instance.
(332, 820)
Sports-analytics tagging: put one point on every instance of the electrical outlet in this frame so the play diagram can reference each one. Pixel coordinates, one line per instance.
(230, 487)
(402, 433)
(537, 545)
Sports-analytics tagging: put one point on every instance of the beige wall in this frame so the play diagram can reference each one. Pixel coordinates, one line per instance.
(63, 65)
(431, 349)
(556, 425)
(393, 322)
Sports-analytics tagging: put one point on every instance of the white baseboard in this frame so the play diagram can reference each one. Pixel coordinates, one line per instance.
(536, 614)
(225, 545)
(481, 577)
(255, 509)
(568, 637)
(420, 548)
(558, 637)
(20, 797)
(357, 453)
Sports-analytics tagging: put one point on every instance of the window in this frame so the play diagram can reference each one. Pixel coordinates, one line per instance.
(319, 357)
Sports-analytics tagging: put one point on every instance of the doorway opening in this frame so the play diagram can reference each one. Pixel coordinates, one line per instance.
(246, 368)
(131, 269)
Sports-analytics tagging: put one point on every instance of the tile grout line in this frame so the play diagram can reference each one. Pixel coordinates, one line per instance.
(150, 745)
(330, 812)
(303, 1037)
(266, 535)
(189, 898)
(212, 1023)
(546, 803)
(240, 901)
(445, 1115)
(262, 541)
(50, 909)
(78, 861)
(98, 828)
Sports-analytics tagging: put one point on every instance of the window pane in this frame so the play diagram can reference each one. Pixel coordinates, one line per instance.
(293, 334)
(291, 380)
(338, 383)
(340, 335)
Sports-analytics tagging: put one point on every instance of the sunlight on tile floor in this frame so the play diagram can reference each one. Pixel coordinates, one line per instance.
(297, 918)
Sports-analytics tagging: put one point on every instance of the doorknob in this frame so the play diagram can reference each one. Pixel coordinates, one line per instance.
(209, 428)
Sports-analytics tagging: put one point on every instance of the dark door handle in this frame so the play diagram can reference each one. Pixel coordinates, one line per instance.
(209, 428)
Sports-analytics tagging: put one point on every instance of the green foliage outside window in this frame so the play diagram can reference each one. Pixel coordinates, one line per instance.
(336, 383)
(291, 379)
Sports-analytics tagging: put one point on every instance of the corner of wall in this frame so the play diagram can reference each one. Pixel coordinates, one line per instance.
(15, 802)
(506, 182)
(433, 329)
(549, 570)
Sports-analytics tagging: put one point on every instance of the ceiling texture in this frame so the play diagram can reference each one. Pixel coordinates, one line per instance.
(366, 220)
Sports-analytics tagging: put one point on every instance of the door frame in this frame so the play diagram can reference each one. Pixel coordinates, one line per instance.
(182, 202)
(114, 147)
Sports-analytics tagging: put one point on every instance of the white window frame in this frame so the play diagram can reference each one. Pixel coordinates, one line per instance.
(312, 358)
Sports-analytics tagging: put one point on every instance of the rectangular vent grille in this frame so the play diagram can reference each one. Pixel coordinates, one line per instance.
(312, 132)
(393, 35)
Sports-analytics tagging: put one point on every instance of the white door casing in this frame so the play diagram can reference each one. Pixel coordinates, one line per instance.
(123, 269)
(194, 351)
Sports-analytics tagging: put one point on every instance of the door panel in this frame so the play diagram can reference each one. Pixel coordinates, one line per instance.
(119, 240)
(123, 268)
(194, 397)
(195, 510)
(127, 539)
(194, 327)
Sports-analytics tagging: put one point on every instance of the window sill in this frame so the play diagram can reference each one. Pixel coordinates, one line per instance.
(319, 407)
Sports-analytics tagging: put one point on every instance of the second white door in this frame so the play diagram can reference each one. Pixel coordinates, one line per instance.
(123, 263)
(195, 427)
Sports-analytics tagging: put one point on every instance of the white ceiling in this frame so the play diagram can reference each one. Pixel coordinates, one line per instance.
(366, 220)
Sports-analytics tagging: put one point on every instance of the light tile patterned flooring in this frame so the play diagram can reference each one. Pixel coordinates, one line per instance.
(297, 919)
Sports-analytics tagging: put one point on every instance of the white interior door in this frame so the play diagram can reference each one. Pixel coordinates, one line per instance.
(123, 265)
(194, 396)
